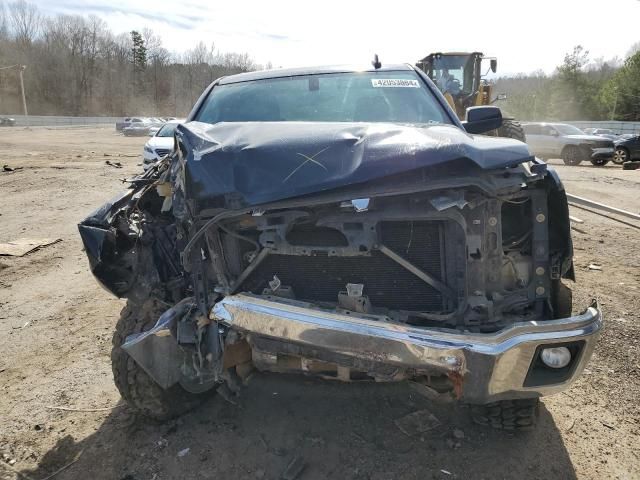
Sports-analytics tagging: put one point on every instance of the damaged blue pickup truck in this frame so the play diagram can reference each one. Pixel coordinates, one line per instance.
(342, 222)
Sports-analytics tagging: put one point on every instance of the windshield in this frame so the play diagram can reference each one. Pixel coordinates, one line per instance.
(389, 96)
(453, 73)
(167, 130)
(568, 130)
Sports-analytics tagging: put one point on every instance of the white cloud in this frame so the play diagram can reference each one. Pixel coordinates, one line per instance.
(526, 36)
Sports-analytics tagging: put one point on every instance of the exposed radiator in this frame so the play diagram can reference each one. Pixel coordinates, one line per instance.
(321, 277)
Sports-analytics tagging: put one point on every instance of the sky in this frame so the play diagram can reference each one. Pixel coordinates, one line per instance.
(524, 35)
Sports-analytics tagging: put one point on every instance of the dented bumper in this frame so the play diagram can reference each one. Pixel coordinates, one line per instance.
(489, 367)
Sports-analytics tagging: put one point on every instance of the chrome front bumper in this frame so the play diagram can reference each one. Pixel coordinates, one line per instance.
(489, 367)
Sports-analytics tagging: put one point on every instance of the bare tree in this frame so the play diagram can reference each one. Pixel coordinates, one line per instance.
(78, 67)
(4, 24)
(25, 21)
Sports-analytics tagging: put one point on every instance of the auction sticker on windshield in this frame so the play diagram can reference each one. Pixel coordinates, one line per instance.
(394, 82)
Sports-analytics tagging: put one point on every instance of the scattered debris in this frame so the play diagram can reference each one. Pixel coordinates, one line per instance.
(575, 219)
(113, 164)
(184, 452)
(65, 467)
(446, 472)
(459, 434)
(7, 168)
(9, 463)
(451, 443)
(26, 324)
(417, 422)
(610, 427)
(22, 246)
(162, 443)
(631, 165)
(225, 392)
(70, 409)
(294, 469)
(593, 266)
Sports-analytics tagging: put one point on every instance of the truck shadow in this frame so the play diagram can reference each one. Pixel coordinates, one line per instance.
(337, 431)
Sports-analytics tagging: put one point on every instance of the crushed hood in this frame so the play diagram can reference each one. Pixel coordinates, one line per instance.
(245, 164)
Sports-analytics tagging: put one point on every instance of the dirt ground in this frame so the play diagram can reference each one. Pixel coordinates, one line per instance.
(55, 337)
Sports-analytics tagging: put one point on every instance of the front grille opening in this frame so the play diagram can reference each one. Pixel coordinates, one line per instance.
(319, 278)
(306, 234)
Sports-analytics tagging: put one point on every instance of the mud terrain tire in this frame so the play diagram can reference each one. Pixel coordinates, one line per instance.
(508, 414)
(512, 129)
(135, 386)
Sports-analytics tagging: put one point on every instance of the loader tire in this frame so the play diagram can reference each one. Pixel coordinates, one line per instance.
(512, 129)
(517, 415)
(136, 387)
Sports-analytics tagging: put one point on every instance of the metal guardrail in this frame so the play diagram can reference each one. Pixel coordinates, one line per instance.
(600, 206)
(613, 125)
(57, 120)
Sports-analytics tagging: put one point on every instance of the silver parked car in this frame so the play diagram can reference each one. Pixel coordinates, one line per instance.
(602, 132)
(560, 140)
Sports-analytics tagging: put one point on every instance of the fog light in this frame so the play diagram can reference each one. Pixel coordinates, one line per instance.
(556, 357)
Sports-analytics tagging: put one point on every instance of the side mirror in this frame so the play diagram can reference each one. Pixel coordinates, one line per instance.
(482, 119)
(502, 96)
(494, 64)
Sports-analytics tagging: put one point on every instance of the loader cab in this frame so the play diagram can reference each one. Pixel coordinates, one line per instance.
(459, 78)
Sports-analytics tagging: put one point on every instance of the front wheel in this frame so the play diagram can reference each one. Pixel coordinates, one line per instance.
(620, 156)
(519, 414)
(571, 156)
(135, 386)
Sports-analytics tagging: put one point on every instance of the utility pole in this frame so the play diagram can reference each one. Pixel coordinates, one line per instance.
(20, 69)
(24, 100)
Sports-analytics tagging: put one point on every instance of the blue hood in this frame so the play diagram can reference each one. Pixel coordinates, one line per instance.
(235, 165)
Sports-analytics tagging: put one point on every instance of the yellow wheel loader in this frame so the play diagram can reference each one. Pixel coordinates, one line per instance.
(459, 76)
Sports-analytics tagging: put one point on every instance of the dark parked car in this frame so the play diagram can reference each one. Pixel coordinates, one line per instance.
(7, 122)
(342, 222)
(627, 149)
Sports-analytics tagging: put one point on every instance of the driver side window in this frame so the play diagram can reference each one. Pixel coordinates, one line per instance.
(549, 131)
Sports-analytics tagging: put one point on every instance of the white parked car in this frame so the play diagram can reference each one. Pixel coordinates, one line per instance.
(560, 140)
(160, 144)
